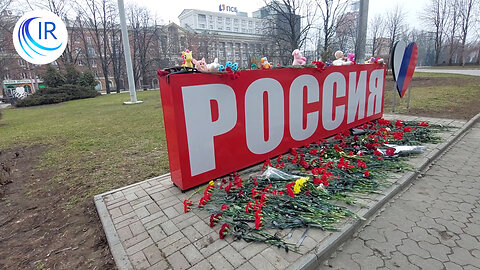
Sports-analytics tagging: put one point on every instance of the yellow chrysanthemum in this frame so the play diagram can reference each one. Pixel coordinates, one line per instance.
(211, 183)
(299, 184)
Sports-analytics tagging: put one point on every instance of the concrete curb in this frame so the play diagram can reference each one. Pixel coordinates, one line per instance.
(116, 248)
(323, 252)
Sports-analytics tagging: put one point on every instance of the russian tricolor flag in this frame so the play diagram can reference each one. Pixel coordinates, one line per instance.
(404, 60)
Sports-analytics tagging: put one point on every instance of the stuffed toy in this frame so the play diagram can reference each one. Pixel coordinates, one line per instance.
(351, 58)
(298, 59)
(341, 59)
(213, 67)
(200, 65)
(187, 58)
(265, 64)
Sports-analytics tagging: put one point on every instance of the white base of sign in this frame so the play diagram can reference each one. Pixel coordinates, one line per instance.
(132, 103)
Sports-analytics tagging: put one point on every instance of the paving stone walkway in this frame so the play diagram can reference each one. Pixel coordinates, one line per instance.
(435, 224)
(147, 229)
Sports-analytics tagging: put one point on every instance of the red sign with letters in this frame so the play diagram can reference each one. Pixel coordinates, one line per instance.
(216, 125)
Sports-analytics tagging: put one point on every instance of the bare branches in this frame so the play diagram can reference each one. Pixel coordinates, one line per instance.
(466, 19)
(288, 23)
(435, 16)
(395, 24)
(330, 11)
(376, 31)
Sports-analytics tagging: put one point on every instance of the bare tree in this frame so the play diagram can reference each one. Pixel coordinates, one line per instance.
(377, 30)
(98, 17)
(453, 24)
(466, 18)
(289, 24)
(330, 11)
(144, 31)
(6, 29)
(435, 15)
(4, 5)
(395, 25)
(346, 31)
(117, 57)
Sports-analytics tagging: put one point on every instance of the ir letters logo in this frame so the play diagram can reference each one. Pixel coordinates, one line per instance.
(40, 37)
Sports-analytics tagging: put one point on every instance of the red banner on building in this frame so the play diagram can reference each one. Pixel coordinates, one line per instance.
(216, 125)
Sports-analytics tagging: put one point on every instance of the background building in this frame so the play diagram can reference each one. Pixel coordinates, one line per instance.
(226, 36)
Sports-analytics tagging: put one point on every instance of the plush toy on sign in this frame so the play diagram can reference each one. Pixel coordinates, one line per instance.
(200, 65)
(351, 58)
(187, 58)
(213, 67)
(298, 58)
(265, 64)
(341, 59)
(374, 60)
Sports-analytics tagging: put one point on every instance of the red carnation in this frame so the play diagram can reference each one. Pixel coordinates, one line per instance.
(249, 206)
(258, 219)
(224, 207)
(361, 164)
(366, 174)
(337, 148)
(390, 151)
(398, 124)
(289, 189)
(377, 153)
(214, 219)
(224, 230)
(186, 205)
(423, 124)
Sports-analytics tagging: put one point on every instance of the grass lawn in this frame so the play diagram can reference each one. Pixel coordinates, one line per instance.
(437, 95)
(96, 144)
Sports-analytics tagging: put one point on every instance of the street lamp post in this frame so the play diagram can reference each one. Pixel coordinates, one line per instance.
(128, 57)
(362, 31)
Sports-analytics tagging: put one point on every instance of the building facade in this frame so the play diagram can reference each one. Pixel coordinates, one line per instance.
(226, 36)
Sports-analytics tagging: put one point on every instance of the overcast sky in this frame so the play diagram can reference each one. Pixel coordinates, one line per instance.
(169, 11)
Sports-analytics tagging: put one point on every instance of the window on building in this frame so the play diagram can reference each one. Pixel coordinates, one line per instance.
(24, 75)
(235, 29)
(94, 63)
(244, 30)
(220, 27)
(89, 40)
(201, 25)
(210, 26)
(91, 51)
(22, 62)
(227, 28)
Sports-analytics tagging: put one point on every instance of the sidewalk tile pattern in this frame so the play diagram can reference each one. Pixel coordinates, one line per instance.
(154, 233)
(434, 224)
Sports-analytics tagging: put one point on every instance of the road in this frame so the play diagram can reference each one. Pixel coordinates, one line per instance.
(435, 224)
(472, 72)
